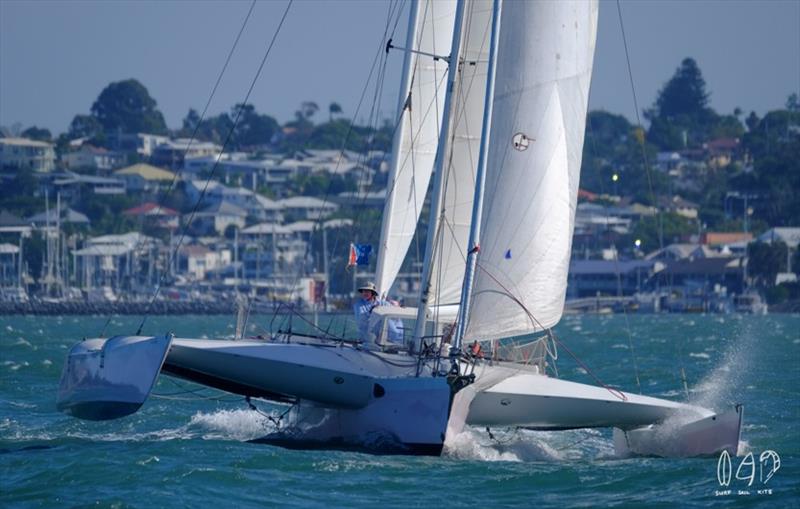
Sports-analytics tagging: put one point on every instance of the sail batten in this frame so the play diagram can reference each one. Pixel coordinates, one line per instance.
(544, 67)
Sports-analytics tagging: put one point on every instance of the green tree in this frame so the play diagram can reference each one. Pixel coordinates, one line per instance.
(752, 121)
(792, 103)
(774, 144)
(191, 122)
(765, 261)
(308, 109)
(680, 115)
(34, 251)
(252, 129)
(18, 194)
(84, 126)
(684, 94)
(37, 133)
(334, 109)
(727, 126)
(127, 106)
(675, 227)
(333, 135)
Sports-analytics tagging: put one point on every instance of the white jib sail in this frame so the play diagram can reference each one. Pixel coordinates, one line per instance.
(544, 66)
(414, 145)
(447, 273)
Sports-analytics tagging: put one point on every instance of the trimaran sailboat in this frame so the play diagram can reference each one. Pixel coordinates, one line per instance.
(502, 137)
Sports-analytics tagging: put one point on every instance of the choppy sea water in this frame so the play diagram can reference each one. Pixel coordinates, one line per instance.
(191, 450)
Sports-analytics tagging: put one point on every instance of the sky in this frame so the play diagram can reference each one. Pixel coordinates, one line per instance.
(57, 56)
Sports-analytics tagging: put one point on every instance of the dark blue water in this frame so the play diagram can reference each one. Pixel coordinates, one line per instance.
(190, 450)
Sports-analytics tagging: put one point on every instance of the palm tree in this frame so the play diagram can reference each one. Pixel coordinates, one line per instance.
(334, 109)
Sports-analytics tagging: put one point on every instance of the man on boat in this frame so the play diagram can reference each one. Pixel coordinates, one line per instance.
(363, 308)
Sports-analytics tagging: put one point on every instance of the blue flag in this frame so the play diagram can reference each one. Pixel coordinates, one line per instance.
(362, 252)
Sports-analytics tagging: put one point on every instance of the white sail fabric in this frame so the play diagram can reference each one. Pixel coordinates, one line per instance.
(414, 145)
(447, 273)
(544, 69)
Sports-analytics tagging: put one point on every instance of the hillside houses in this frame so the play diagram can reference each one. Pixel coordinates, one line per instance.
(260, 219)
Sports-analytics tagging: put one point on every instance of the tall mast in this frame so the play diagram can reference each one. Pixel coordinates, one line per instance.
(480, 180)
(405, 89)
(436, 196)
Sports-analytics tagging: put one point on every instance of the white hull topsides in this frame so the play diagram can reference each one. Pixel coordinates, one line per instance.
(346, 394)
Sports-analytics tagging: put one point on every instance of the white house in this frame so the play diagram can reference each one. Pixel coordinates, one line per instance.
(139, 143)
(22, 153)
(92, 157)
(171, 153)
(308, 207)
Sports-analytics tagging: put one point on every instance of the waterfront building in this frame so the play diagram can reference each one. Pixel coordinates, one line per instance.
(196, 260)
(116, 261)
(613, 278)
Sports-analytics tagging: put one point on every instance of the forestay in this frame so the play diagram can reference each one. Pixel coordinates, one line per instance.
(544, 69)
(414, 148)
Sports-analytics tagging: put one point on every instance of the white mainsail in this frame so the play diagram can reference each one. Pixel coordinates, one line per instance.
(447, 273)
(414, 147)
(544, 69)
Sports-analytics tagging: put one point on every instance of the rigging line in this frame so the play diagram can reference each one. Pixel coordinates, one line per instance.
(350, 130)
(408, 157)
(616, 263)
(418, 213)
(309, 322)
(216, 163)
(460, 115)
(166, 193)
(639, 124)
(613, 391)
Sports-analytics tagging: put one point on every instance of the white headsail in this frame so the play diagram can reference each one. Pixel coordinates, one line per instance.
(459, 180)
(544, 66)
(414, 148)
